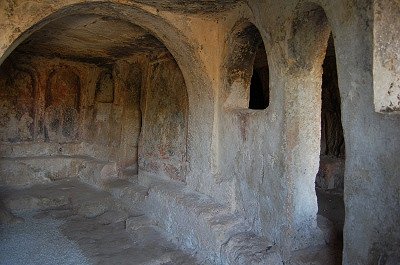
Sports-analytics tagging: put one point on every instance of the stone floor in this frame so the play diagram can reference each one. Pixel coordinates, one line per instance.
(67, 222)
(331, 206)
(70, 223)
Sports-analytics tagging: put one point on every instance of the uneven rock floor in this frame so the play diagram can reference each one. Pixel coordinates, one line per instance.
(71, 223)
(67, 222)
(331, 206)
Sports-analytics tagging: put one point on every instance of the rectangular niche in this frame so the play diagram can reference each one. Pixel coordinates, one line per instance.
(386, 60)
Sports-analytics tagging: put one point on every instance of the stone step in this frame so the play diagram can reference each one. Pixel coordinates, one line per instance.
(135, 223)
(247, 248)
(58, 195)
(196, 221)
(27, 202)
(193, 220)
(146, 233)
(316, 255)
(129, 195)
(129, 174)
(124, 189)
(143, 229)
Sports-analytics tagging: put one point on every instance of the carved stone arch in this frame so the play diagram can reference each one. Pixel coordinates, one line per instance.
(183, 48)
(245, 49)
(308, 37)
(168, 34)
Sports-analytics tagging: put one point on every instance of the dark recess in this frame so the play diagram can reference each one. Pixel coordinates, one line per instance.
(259, 86)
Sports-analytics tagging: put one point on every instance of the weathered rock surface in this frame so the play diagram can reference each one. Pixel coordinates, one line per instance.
(165, 89)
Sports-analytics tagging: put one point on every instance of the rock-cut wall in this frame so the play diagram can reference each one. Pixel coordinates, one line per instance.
(62, 118)
(165, 111)
(57, 114)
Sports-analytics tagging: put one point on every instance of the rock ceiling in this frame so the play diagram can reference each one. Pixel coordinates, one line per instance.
(192, 6)
(90, 38)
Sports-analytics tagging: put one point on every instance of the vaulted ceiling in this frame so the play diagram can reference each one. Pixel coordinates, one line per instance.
(90, 38)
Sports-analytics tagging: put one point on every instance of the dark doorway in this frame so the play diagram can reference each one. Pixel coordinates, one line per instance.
(330, 178)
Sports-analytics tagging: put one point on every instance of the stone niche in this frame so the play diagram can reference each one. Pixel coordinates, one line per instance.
(62, 105)
(165, 121)
(60, 119)
(105, 88)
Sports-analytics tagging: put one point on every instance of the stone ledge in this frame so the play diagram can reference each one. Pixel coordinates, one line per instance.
(19, 172)
(194, 221)
(201, 225)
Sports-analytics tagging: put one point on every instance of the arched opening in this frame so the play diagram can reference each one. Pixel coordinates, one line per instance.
(247, 69)
(88, 99)
(98, 81)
